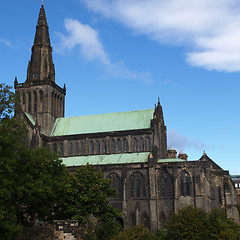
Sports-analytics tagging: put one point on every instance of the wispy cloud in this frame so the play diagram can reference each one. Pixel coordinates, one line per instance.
(5, 42)
(209, 29)
(87, 39)
(180, 142)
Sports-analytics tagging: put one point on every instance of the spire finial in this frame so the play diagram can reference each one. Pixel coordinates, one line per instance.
(158, 100)
(42, 2)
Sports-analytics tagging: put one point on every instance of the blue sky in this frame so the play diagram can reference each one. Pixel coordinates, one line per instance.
(122, 55)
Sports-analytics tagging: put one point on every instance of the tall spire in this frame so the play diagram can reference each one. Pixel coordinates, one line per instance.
(41, 66)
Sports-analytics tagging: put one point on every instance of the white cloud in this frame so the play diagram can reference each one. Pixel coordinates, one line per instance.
(85, 37)
(4, 41)
(181, 142)
(209, 28)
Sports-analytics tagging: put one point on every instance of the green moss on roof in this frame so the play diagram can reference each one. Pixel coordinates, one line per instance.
(109, 122)
(106, 159)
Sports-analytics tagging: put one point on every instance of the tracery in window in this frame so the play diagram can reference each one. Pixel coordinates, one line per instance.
(125, 145)
(137, 186)
(119, 144)
(113, 146)
(97, 147)
(115, 183)
(104, 147)
(166, 185)
(185, 184)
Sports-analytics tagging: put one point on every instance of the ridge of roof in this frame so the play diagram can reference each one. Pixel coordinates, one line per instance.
(108, 122)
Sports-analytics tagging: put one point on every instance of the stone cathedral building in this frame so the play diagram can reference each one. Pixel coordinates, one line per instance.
(129, 147)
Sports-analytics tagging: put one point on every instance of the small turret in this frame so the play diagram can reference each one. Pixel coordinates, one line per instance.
(172, 153)
(182, 155)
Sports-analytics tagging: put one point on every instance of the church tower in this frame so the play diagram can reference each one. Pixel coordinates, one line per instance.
(39, 95)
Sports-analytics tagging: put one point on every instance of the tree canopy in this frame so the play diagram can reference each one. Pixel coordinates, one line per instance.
(194, 223)
(87, 194)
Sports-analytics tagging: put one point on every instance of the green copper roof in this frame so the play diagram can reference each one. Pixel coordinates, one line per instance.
(171, 160)
(30, 118)
(106, 159)
(103, 123)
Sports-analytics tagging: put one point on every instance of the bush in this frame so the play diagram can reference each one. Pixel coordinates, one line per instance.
(135, 232)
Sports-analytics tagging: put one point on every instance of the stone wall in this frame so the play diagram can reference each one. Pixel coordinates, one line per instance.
(59, 230)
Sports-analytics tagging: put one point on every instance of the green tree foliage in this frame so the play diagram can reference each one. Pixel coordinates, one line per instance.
(135, 232)
(194, 223)
(31, 180)
(221, 227)
(7, 101)
(87, 195)
(104, 230)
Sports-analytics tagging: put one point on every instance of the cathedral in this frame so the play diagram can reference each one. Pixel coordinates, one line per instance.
(130, 148)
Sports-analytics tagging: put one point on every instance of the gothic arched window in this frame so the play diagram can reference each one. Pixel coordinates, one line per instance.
(97, 147)
(141, 144)
(91, 148)
(185, 184)
(166, 185)
(119, 145)
(29, 103)
(82, 148)
(54, 147)
(135, 146)
(53, 104)
(104, 147)
(116, 183)
(113, 146)
(145, 220)
(61, 149)
(137, 186)
(70, 149)
(24, 98)
(125, 145)
(147, 144)
(76, 148)
(35, 102)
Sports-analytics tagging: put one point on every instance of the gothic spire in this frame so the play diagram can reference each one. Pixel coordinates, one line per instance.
(41, 66)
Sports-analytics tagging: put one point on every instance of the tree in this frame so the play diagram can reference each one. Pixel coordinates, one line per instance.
(31, 180)
(221, 227)
(189, 223)
(135, 232)
(194, 223)
(87, 195)
(7, 101)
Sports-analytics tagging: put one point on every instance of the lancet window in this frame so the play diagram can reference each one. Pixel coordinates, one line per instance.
(185, 184)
